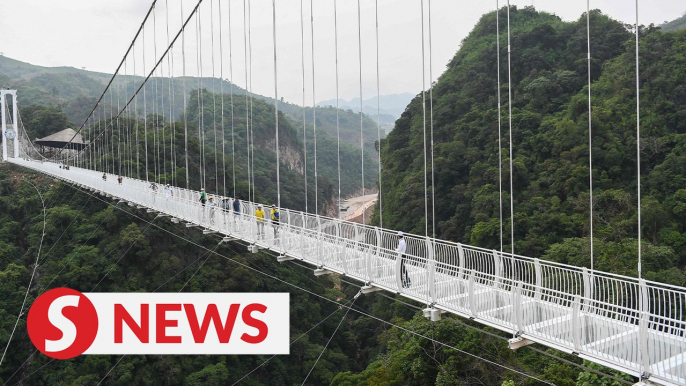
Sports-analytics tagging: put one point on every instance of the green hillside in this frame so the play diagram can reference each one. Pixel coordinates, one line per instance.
(75, 92)
(550, 124)
(92, 246)
(675, 25)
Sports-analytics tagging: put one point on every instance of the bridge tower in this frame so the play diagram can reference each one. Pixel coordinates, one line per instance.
(9, 131)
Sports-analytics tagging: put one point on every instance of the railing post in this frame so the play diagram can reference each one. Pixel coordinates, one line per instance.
(431, 267)
(319, 240)
(302, 236)
(378, 254)
(576, 323)
(644, 312)
(471, 296)
(341, 246)
(539, 279)
(588, 293)
(517, 308)
(497, 269)
(283, 230)
(460, 262)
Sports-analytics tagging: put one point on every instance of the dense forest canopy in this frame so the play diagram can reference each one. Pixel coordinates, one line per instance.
(550, 145)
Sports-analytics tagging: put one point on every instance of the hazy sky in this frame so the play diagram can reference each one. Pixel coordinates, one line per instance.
(95, 35)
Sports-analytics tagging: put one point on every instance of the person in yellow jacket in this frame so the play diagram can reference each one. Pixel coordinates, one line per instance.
(276, 216)
(259, 215)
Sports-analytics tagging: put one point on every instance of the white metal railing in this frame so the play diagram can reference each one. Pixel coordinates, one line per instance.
(632, 325)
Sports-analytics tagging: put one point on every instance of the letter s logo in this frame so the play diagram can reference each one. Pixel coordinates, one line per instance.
(62, 323)
(65, 325)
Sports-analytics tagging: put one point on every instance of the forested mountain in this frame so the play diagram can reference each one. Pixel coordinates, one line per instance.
(551, 194)
(46, 91)
(76, 92)
(550, 145)
(94, 245)
(550, 124)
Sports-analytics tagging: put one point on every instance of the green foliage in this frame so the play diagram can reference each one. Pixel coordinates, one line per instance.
(91, 246)
(550, 144)
(41, 121)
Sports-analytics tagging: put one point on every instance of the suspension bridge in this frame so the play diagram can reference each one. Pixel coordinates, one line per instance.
(628, 324)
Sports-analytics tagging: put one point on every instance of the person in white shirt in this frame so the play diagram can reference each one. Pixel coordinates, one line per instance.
(401, 251)
(211, 204)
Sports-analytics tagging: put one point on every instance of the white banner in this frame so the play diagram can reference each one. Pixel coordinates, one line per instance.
(162, 323)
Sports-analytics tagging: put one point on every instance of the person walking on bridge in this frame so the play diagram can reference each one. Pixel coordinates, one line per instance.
(211, 205)
(401, 255)
(276, 217)
(203, 196)
(203, 200)
(236, 209)
(259, 215)
(225, 207)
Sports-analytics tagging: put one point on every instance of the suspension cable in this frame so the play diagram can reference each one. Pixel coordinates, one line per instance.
(128, 128)
(172, 118)
(426, 192)
(201, 115)
(135, 109)
(314, 114)
(638, 145)
(431, 118)
(302, 58)
(331, 337)
(276, 111)
(162, 110)
(185, 95)
(111, 128)
(156, 131)
(590, 137)
(509, 95)
(338, 126)
(155, 89)
(119, 125)
(221, 90)
(291, 343)
(162, 113)
(145, 116)
(500, 146)
(378, 108)
(247, 111)
(359, 47)
(252, 137)
(214, 102)
(233, 148)
(35, 265)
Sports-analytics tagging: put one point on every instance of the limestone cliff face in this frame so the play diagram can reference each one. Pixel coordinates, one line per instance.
(289, 155)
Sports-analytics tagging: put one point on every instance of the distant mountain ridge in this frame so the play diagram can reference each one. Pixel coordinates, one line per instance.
(675, 25)
(75, 91)
(391, 105)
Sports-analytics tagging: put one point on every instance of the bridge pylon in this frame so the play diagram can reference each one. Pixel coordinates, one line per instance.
(9, 132)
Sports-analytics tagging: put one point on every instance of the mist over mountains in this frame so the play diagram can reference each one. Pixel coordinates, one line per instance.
(391, 106)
